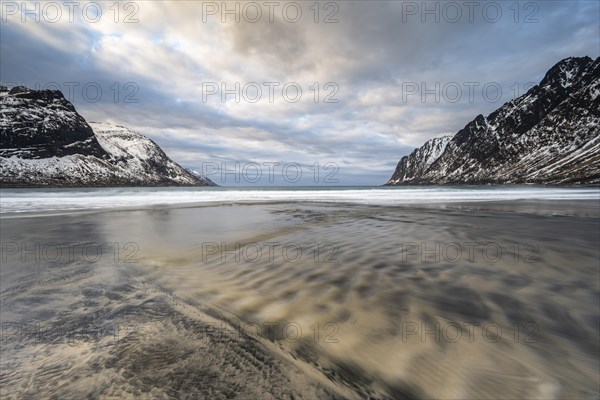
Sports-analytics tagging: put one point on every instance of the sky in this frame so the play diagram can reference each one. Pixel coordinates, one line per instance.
(291, 93)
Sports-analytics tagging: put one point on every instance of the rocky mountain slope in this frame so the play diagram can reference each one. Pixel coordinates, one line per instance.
(45, 142)
(550, 135)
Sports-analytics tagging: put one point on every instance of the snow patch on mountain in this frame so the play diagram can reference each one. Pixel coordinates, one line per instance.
(45, 142)
(549, 135)
(419, 161)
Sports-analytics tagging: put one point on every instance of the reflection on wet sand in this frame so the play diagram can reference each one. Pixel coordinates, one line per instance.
(304, 301)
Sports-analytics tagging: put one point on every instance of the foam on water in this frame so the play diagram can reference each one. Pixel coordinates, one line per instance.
(39, 200)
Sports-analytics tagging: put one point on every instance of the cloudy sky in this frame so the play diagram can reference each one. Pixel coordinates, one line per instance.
(345, 88)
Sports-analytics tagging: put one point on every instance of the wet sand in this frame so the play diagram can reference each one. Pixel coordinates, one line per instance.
(303, 300)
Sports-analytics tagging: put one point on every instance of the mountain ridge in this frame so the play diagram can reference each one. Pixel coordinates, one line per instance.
(549, 135)
(44, 142)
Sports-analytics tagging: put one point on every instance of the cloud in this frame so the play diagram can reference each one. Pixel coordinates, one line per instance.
(155, 73)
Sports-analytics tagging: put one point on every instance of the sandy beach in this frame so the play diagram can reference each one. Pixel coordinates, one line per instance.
(303, 300)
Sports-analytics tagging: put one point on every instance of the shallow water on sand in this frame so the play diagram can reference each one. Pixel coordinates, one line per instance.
(303, 300)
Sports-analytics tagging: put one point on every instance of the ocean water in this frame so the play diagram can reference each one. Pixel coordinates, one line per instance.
(386, 293)
(28, 200)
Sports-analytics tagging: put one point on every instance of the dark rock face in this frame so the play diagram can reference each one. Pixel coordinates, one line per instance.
(45, 142)
(415, 165)
(42, 124)
(550, 135)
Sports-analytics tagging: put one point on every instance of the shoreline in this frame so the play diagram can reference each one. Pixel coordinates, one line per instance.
(556, 207)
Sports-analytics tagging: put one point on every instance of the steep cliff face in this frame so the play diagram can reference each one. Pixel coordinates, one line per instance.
(418, 162)
(549, 135)
(38, 124)
(45, 142)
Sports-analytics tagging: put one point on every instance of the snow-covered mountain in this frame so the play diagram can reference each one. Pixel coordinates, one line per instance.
(415, 165)
(45, 142)
(550, 135)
